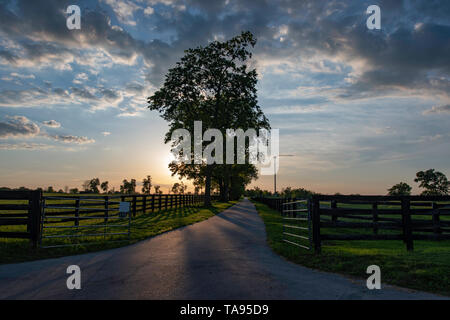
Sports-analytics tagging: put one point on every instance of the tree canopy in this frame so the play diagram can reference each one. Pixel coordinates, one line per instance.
(400, 189)
(212, 84)
(434, 182)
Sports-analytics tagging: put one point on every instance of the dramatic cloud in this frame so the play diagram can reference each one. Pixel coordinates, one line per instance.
(124, 10)
(22, 127)
(18, 126)
(352, 96)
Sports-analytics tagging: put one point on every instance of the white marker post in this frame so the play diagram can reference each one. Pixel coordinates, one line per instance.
(124, 209)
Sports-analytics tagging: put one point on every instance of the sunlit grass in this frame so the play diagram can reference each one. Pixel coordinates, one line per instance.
(427, 268)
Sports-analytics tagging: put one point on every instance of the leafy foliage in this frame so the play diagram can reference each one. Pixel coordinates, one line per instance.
(434, 182)
(400, 189)
(211, 84)
(147, 185)
(128, 186)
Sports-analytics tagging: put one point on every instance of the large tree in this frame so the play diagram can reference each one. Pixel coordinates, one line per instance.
(434, 182)
(212, 84)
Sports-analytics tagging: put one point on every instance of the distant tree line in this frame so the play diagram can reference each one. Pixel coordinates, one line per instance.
(433, 183)
(285, 193)
(95, 186)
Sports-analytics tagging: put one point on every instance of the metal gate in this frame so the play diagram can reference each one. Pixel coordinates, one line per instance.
(296, 217)
(70, 221)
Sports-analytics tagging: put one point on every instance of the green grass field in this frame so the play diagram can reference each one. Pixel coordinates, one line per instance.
(142, 226)
(427, 268)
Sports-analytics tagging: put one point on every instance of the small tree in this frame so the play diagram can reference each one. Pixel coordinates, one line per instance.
(147, 185)
(434, 182)
(74, 190)
(50, 189)
(105, 186)
(128, 187)
(157, 189)
(93, 185)
(175, 188)
(400, 189)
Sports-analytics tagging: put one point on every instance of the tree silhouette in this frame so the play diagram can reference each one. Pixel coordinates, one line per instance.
(147, 185)
(93, 185)
(211, 84)
(157, 189)
(400, 189)
(434, 182)
(105, 186)
(128, 186)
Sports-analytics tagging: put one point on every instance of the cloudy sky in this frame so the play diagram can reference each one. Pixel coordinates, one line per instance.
(360, 109)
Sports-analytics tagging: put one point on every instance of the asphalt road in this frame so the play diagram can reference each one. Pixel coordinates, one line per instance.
(225, 257)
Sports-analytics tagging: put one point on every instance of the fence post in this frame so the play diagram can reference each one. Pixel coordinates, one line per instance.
(77, 212)
(134, 206)
(407, 227)
(36, 197)
(294, 207)
(436, 220)
(153, 203)
(334, 216)
(160, 202)
(144, 204)
(375, 217)
(316, 224)
(106, 208)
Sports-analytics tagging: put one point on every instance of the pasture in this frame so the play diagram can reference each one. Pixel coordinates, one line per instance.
(426, 268)
(158, 220)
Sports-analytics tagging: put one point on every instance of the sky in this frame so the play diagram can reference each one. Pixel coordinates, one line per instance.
(359, 109)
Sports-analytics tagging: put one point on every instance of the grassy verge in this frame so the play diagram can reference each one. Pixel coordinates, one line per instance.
(142, 226)
(427, 268)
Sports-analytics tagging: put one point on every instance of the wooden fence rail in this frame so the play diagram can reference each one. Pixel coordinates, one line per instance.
(405, 218)
(21, 208)
(24, 208)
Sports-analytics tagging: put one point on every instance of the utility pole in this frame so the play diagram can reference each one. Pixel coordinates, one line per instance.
(275, 170)
(275, 175)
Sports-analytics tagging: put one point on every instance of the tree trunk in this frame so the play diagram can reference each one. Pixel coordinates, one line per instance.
(222, 190)
(207, 202)
(226, 191)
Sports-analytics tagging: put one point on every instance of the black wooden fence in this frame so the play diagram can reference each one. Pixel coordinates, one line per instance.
(21, 208)
(24, 208)
(405, 218)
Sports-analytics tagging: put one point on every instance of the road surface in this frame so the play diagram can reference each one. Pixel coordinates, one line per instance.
(224, 257)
